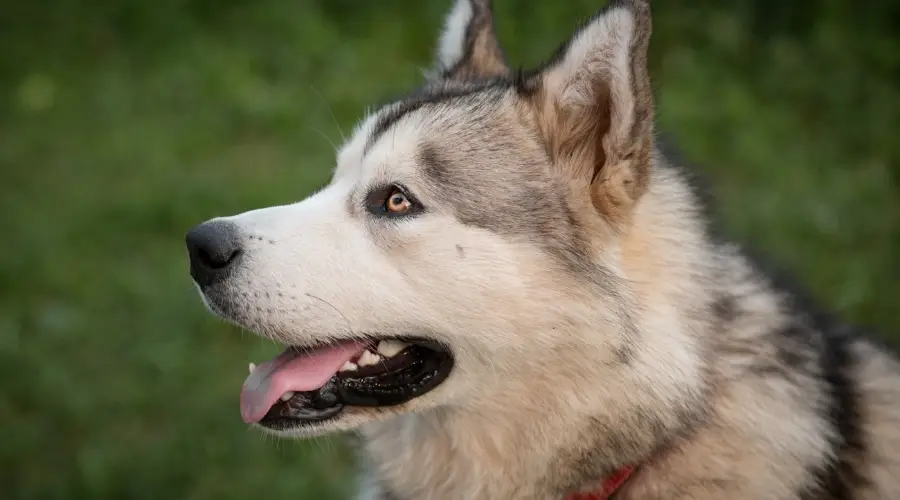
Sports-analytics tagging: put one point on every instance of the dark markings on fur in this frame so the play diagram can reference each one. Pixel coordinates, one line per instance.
(389, 118)
(814, 347)
(724, 310)
(840, 478)
(641, 128)
(625, 351)
(460, 252)
(525, 83)
(428, 95)
(640, 81)
(526, 205)
(792, 343)
(387, 494)
(521, 203)
(434, 166)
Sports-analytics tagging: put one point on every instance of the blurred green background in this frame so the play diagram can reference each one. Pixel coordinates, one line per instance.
(123, 123)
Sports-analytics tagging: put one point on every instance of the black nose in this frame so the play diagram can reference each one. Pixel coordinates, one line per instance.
(213, 248)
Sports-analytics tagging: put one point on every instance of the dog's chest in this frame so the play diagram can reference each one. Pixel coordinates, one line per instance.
(419, 462)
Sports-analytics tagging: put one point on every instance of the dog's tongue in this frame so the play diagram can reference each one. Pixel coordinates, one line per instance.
(292, 371)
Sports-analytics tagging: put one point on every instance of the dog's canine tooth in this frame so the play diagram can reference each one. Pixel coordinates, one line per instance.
(252, 367)
(288, 395)
(349, 366)
(390, 348)
(368, 358)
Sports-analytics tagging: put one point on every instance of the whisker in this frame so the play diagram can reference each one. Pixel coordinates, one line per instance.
(325, 137)
(330, 112)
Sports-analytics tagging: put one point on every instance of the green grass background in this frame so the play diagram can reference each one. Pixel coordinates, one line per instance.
(123, 123)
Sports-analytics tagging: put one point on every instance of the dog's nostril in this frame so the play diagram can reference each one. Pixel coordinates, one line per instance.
(216, 262)
(234, 255)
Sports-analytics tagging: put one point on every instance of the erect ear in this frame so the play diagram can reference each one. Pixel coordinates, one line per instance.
(468, 47)
(595, 106)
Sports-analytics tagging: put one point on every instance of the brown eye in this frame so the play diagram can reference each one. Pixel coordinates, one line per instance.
(392, 201)
(397, 203)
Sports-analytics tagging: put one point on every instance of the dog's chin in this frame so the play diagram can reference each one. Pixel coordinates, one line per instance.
(321, 388)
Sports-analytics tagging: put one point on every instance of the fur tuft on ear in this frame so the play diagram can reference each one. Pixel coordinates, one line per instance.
(595, 105)
(468, 47)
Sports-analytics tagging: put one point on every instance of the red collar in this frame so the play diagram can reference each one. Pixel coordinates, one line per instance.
(609, 487)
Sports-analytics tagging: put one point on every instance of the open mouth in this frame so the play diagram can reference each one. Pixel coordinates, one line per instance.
(306, 385)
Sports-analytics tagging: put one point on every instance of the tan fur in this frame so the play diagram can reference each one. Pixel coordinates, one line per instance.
(567, 264)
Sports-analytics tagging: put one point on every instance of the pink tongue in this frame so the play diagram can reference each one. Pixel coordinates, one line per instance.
(292, 371)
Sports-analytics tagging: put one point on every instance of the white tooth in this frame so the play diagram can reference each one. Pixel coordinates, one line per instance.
(252, 367)
(368, 359)
(349, 366)
(288, 395)
(390, 348)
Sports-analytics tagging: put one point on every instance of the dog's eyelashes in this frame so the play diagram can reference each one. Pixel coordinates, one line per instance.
(392, 201)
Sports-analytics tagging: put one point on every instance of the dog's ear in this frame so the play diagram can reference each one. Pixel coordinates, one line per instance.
(595, 106)
(468, 48)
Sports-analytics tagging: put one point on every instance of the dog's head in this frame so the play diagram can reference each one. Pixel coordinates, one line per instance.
(466, 229)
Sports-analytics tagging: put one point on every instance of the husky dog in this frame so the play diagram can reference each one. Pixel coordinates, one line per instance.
(509, 291)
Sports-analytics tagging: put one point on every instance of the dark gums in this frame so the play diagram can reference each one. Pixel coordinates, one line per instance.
(427, 370)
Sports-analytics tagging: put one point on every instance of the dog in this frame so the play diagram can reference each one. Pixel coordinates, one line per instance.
(510, 290)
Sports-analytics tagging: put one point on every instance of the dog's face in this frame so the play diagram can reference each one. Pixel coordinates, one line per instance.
(466, 229)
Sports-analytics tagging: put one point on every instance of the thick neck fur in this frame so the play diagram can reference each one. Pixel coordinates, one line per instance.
(566, 420)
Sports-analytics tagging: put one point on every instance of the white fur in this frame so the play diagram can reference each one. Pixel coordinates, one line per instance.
(452, 43)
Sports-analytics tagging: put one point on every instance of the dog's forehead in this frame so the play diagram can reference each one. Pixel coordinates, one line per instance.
(391, 160)
(464, 126)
